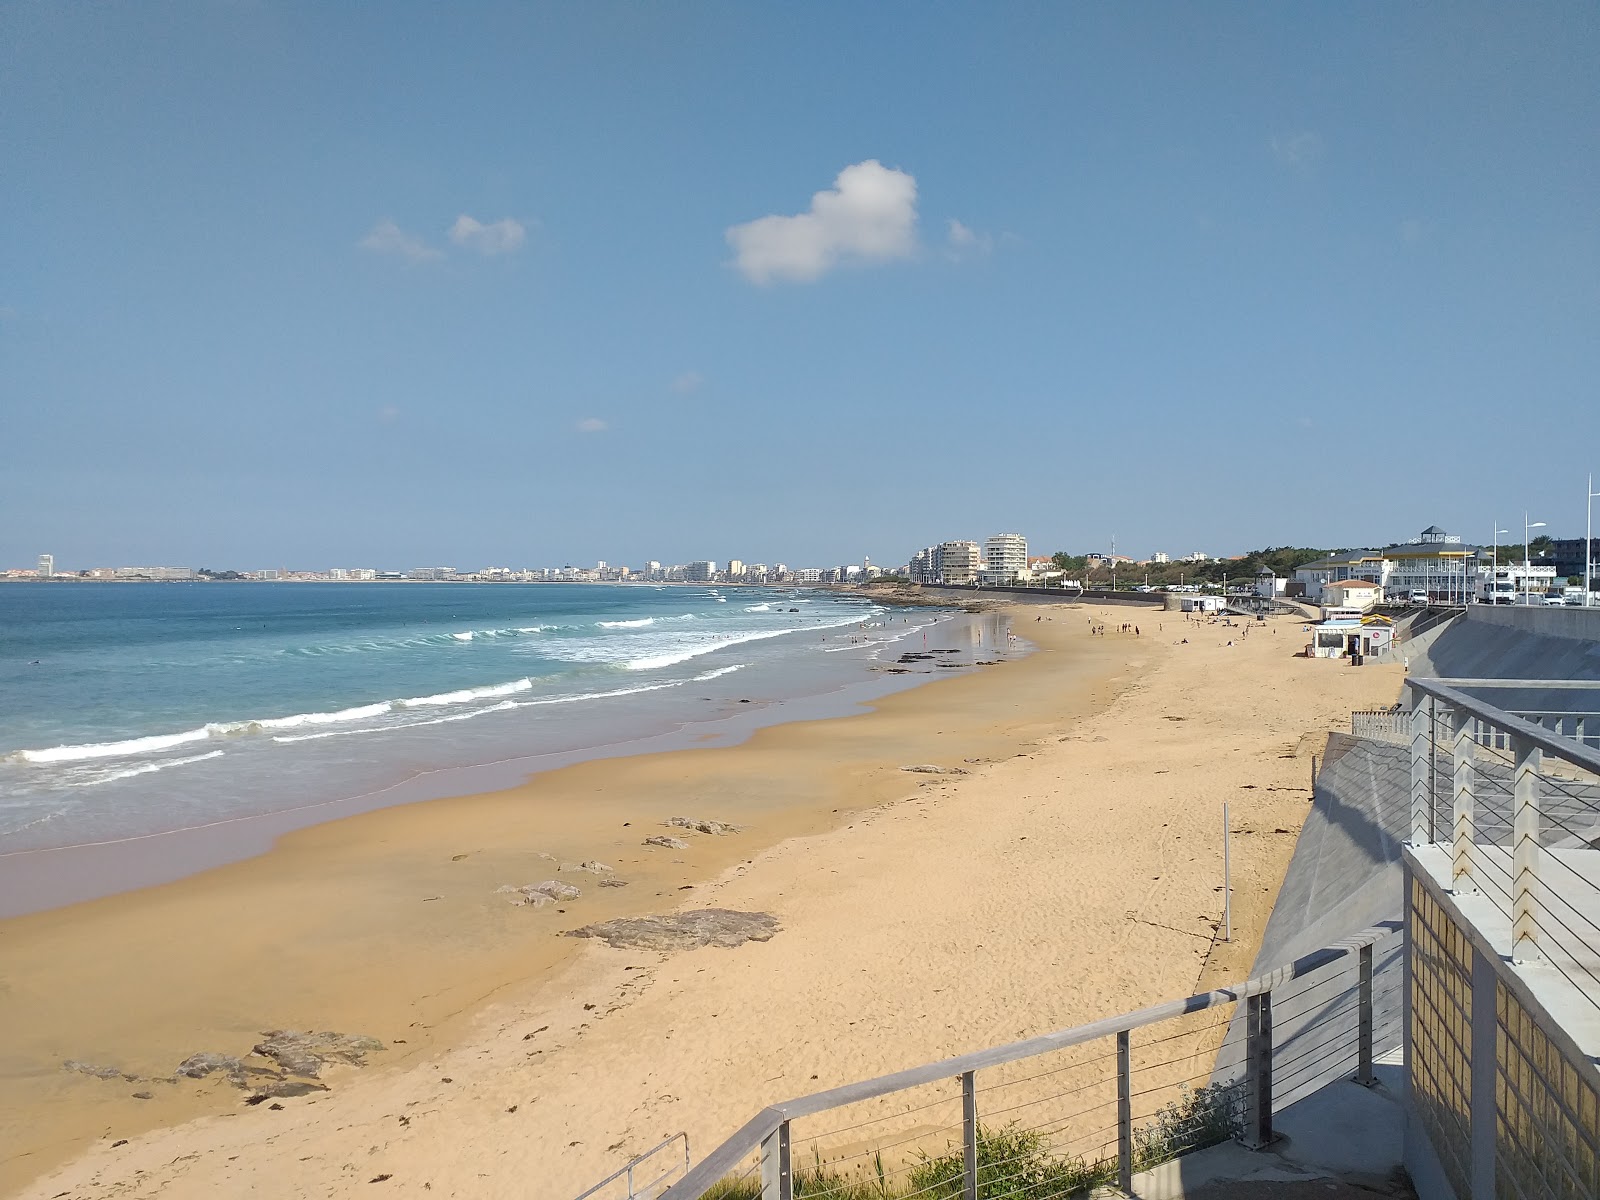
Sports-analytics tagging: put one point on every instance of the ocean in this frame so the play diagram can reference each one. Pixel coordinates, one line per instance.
(134, 709)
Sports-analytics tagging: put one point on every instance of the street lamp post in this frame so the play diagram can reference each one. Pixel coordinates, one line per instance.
(1527, 560)
(1494, 569)
(1588, 538)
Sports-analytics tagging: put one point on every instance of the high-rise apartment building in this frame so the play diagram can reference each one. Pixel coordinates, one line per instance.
(699, 571)
(959, 563)
(47, 565)
(1005, 556)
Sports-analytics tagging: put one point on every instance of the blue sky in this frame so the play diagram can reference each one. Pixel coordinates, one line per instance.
(319, 284)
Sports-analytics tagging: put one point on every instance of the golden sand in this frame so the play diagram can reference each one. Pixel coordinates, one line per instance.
(1071, 874)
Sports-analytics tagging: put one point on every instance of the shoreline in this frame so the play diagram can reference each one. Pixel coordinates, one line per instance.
(465, 979)
(39, 879)
(337, 878)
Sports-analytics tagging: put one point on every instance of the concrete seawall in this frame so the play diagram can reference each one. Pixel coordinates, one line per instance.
(1493, 642)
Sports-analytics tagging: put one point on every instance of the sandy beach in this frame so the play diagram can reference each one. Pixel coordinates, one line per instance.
(1070, 872)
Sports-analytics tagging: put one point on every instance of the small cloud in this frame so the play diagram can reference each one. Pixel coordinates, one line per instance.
(592, 425)
(497, 237)
(388, 238)
(689, 381)
(869, 215)
(962, 241)
(1297, 151)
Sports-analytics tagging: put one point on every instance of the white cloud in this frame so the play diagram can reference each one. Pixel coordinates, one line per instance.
(497, 237)
(870, 215)
(689, 381)
(962, 241)
(1298, 151)
(592, 425)
(388, 238)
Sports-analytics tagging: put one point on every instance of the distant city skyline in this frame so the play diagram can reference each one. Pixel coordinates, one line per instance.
(499, 281)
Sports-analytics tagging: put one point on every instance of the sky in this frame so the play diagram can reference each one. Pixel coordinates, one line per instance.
(315, 285)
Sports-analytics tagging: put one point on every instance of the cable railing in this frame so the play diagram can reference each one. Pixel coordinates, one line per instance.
(1093, 1105)
(1514, 797)
(647, 1175)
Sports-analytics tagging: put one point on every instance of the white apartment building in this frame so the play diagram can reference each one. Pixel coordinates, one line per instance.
(808, 575)
(47, 565)
(353, 574)
(168, 573)
(1005, 556)
(1160, 558)
(700, 571)
(736, 569)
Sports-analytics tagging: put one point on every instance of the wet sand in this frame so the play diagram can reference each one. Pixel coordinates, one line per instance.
(1074, 866)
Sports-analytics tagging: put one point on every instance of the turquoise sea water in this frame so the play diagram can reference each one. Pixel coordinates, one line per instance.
(127, 709)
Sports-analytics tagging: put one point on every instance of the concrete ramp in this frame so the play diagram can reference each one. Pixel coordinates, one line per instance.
(1491, 641)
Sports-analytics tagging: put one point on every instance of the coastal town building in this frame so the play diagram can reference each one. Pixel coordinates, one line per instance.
(1437, 565)
(1347, 632)
(165, 573)
(959, 564)
(1357, 594)
(47, 565)
(700, 571)
(1005, 556)
(1565, 555)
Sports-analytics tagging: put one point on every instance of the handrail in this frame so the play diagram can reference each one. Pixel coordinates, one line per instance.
(1554, 744)
(751, 1135)
(627, 1168)
(1584, 685)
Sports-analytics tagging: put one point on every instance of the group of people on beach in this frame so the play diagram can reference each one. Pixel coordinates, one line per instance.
(1098, 630)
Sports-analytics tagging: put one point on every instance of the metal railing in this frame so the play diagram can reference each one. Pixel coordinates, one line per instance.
(1090, 1105)
(629, 1175)
(1383, 724)
(1521, 834)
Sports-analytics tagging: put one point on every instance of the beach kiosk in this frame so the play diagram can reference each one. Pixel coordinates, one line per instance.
(1348, 632)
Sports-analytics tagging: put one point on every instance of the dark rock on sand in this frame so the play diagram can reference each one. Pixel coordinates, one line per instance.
(98, 1070)
(668, 843)
(933, 769)
(307, 1053)
(198, 1066)
(683, 931)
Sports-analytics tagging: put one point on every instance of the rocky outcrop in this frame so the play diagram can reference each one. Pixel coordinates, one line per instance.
(683, 931)
(307, 1053)
(539, 894)
(934, 769)
(593, 867)
(668, 843)
(698, 826)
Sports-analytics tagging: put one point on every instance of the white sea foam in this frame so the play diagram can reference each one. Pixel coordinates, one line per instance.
(639, 624)
(759, 608)
(684, 653)
(145, 769)
(466, 716)
(464, 637)
(720, 671)
(123, 749)
(467, 695)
